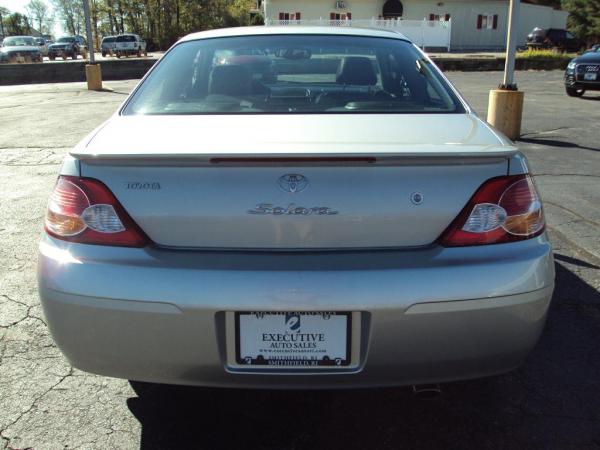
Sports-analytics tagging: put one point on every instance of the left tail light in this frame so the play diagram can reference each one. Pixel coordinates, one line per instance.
(84, 210)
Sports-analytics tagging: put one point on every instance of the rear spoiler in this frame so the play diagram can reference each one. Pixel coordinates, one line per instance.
(451, 154)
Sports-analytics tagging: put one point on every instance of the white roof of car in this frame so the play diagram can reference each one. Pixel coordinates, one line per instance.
(293, 29)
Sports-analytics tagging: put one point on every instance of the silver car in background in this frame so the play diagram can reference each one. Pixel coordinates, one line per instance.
(20, 49)
(108, 45)
(295, 207)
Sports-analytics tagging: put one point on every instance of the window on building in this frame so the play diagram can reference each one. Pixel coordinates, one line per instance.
(437, 17)
(487, 21)
(289, 16)
(340, 16)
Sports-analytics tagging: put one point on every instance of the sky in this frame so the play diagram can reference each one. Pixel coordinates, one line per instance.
(19, 6)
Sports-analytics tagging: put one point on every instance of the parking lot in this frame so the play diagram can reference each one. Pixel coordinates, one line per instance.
(551, 402)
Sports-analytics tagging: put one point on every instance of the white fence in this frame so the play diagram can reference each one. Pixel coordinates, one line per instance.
(424, 33)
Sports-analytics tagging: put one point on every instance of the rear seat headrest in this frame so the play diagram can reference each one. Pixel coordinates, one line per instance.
(357, 70)
(231, 80)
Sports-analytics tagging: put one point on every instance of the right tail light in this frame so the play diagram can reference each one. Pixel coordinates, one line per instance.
(504, 209)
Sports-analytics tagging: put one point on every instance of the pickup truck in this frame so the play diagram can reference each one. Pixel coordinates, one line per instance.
(130, 44)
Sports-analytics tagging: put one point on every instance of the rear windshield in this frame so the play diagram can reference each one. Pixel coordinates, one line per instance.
(108, 40)
(286, 74)
(126, 39)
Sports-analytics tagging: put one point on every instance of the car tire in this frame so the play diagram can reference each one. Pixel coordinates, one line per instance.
(139, 53)
(52, 58)
(574, 92)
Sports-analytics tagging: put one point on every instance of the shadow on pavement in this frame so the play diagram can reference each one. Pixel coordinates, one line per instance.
(556, 143)
(551, 402)
(575, 261)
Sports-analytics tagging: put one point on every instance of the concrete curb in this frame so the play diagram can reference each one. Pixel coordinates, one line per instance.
(11, 74)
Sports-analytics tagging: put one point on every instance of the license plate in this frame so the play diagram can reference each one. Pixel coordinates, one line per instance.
(293, 339)
(589, 77)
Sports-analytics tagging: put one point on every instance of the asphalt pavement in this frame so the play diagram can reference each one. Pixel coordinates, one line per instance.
(553, 401)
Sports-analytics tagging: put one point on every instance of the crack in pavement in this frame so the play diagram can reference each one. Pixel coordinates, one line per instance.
(565, 175)
(30, 165)
(570, 211)
(28, 314)
(38, 147)
(33, 405)
(553, 130)
(590, 257)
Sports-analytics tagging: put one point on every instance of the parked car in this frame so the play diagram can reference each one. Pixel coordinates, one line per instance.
(83, 48)
(42, 45)
(304, 230)
(65, 47)
(583, 74)
(130, 44)
(593, 48)
(20, 49)
(554, 38)
(109, 45)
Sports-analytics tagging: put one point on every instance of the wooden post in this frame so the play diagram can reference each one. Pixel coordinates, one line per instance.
(505, 111)
(93, 74)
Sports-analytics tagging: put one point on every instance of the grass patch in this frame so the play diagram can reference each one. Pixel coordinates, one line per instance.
(545, 54)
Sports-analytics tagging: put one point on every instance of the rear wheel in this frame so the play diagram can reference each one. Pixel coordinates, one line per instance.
(52, 58)
(574, 92)
(139, 53)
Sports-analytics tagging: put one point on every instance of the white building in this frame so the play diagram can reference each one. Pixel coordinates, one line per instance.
(458, 25)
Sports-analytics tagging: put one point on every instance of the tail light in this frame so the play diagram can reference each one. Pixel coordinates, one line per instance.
(504, 209)
(84, 210)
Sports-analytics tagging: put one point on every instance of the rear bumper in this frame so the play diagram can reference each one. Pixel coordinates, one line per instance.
(426, 315)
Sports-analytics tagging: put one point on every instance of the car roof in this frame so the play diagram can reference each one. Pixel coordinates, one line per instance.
(294, 29)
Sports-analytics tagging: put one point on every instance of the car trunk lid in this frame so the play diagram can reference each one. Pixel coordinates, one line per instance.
(294, 182)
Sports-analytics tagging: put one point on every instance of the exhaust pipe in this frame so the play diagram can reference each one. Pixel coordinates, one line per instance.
(427, 390)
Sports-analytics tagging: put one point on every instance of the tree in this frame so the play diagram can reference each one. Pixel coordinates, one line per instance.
(71, 14)
(160, 22)
(38, 12)
(3, 13)
(16, 24)
(584, 19)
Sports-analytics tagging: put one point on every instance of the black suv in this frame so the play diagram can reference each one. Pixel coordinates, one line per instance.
(583, 74)
(554, 38)
(68, 46)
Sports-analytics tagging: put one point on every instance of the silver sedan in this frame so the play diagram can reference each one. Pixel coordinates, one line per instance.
(295, 207)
